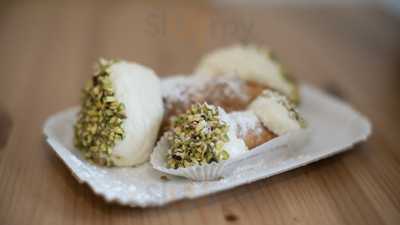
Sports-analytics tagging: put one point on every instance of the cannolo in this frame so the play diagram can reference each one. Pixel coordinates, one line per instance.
(202, 135)
(230, 93)
(120, 115)
(250, 63)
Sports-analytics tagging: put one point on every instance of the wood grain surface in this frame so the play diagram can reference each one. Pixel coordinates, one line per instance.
(47, 51)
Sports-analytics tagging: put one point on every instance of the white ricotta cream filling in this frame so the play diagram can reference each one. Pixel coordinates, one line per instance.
(273, 114)
(235, 146)
(138, 88)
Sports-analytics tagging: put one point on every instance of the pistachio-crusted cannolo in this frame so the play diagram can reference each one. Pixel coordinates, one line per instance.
(202, 135)
(230, 93)
(249, 63)
(120, 114)
(227, 92)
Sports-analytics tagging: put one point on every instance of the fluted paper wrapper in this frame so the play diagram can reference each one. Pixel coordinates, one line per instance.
(334, 128)
(285, 144)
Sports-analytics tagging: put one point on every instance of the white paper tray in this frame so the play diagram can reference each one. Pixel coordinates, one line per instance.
(335, 127)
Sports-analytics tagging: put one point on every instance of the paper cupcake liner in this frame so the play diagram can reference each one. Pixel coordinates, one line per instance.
(275, 148)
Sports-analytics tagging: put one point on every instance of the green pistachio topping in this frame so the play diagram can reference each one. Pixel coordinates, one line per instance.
(197, 137)
(289, 105)
(99, 125)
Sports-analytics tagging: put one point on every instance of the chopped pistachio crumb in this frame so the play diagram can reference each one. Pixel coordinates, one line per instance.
(289, 105)
(99, 125)
(197, 137)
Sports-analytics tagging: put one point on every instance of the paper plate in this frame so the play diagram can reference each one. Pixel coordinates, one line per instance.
(335, 127)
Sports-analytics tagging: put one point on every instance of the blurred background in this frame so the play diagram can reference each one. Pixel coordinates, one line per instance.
(170, 36)
(326, 42)
(349, 48)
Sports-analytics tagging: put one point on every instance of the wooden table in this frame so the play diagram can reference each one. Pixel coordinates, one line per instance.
(47, 51)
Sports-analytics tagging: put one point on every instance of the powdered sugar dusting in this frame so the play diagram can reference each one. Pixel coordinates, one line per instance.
(184, 89)
(235, 146)
(233, 87)
(175, 88)
(247, 122)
